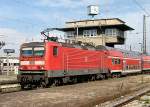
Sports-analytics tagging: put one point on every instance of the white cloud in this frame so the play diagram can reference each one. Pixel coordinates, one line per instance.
(71, 3)
(54, 13)
(14, 38)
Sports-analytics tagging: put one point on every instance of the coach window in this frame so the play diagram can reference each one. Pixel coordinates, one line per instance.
(118, 61)
(134, 67)
(55, 51)
(127, 67)
(113, 61)
(4, 64)
(137, 67)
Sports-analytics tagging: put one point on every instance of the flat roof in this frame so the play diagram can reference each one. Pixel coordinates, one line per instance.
(96, 20)
(123, 27)
(96, 23)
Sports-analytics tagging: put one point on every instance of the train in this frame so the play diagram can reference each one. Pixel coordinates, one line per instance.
(53, 63)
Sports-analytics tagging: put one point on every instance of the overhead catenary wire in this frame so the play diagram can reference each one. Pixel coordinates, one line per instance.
(144, 24)
(141, 7)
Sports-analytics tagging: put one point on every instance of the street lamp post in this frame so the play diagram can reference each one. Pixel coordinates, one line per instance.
(7, 63)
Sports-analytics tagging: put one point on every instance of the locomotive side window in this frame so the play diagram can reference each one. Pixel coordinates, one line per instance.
(55, 51)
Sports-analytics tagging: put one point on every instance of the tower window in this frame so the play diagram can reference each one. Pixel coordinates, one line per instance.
(90, 33)
(70, 33)
(114, 32)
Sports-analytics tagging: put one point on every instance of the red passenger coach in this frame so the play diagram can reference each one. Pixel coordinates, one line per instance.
(132, 62)
(121, 62)
(146, 63)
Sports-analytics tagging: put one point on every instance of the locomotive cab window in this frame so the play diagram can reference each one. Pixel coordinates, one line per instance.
(39, 51)
(55, 51)
(27, 51)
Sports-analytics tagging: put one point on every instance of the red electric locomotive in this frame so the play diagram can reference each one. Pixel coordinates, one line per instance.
(54, 63)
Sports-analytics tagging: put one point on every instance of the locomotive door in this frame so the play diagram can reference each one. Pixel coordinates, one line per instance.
(65, 63)
(103, 62)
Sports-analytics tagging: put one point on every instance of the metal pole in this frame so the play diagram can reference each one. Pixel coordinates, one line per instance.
(101, 34)
(141, 47)
(130, 48)
(77, 31)
(7, 63)
(0, 67)
(144, 34)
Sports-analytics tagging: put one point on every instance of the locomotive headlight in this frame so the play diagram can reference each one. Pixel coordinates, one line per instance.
(39, 62)
(24, 62)
(42, 67)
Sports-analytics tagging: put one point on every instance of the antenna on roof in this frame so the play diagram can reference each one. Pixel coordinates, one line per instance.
(93, 10)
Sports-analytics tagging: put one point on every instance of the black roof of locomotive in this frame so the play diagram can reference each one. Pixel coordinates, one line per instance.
(30, 44)
(86, 47)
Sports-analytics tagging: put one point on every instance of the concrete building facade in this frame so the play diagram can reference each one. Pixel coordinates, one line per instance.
(107, 32)
(13, 63)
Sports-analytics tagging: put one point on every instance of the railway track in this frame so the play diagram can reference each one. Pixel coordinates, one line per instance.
(14, 86)
(84, 94)
(7, 88)
(124, 100)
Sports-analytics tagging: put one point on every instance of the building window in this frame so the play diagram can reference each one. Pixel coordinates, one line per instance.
(55, 51)
(70, 33)
(90, 33)
(114, 32)
(111, 32)
(16, 64)
(4, 64)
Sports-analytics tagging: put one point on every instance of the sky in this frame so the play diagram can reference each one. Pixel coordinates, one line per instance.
(23, 20)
